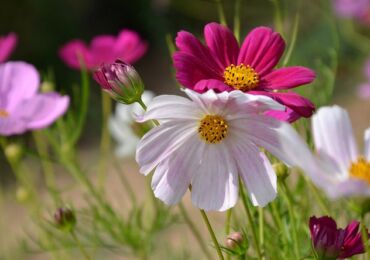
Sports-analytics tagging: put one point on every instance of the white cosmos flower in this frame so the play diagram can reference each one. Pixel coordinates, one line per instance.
(211, 140)
(121, 126)
(340, 170)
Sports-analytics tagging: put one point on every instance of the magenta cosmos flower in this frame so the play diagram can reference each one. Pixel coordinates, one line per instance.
(224, 66)
(331, 242)
(127, 46)
(21, 107)
(7, 45)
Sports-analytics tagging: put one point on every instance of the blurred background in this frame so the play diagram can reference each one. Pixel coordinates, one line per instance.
(336, 46)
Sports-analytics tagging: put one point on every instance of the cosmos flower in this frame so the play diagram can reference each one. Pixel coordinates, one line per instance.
(332, 243)
(357, 9)
(7, 45)
(210, 141)
(224, 66)
(127, 46)
(21, 107)
(123, 127)
(340, 169)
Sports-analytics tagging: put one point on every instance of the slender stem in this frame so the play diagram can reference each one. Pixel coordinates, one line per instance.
(221, 12)
(365, 236)
(125, 182)
(237, 20)
(250, 220)
(261, 228)
(289, 200)
(82, 249)
(212, 233)
(228, 221)
(278, 18)
(142, 104)
(292, 41)
(195, 231)
(318, 198)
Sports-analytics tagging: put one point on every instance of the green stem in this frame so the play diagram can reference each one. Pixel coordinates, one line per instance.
(237, 20)
(195, 231)
(261, 228)
(278, 21)
(221, 12)
(125, 183)
(365, 236)
(82, 249)
(212, 233)
(292, 41)
(250, 220)
(227, 227)
(318, 198)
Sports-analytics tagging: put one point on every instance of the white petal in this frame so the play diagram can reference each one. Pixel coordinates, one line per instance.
(160, 142)
(367, 144)
(215, 185)
(348, 188)
(256, 172)
(172, 177)
(120, 130)
(333, 135)
(172, 107)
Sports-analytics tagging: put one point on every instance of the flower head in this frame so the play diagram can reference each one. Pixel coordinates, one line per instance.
(21, 107)
(121, 81)
(7, 45)
(331, 242)
(224, 66)
(127, 46)
(210, 141)
(123, 127)
(358, 9)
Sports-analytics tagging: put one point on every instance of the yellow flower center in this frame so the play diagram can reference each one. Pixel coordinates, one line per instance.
(360, 170)
(3, 113)
(241, 77)
(212, 129)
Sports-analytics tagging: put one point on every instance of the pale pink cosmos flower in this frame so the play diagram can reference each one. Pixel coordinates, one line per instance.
(22, 108)
(210, 141)
(340, 170)
(7, 46)
(222, 65)
(127, 46)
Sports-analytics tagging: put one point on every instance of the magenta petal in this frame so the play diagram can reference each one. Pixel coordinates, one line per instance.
(73, 51)
(18, 81)
(289, 77)
(262, 50)
(101, 49)
(188, 43)
(129, 47)
(287, 116)
(207, 84)
(190, 70)
(222, 43)
(7, 45)
(42, 110)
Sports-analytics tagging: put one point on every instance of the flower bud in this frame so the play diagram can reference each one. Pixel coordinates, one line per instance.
(13, 152)
(47, 86)
(282, 171)
(121, 81)
(234, 240)
(65, 219)
(22, 194)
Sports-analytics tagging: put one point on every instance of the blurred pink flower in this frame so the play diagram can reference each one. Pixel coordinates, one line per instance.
(223, 66)
(7, 45)
(21, 107)
(331, 242)
(127, 46)
(358, 9)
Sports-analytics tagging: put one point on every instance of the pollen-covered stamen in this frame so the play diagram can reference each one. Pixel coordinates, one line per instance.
(3, 113)
(241, 77)
(212, 129)
(360, 170)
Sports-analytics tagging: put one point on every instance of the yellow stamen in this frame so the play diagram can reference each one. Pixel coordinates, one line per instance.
(212, 129)
(360, 170)
(241, 77)
(3, 113)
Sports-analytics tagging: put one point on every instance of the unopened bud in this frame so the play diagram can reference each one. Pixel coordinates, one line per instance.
(234, 240)
(13, 152)
(47, 86)
(121, 81)
(65, 219)
(281, 170)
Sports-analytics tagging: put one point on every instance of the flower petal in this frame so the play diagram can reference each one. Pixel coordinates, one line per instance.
(18, 81)
(215, 186)
(102, 49)
(333, 136)
(222, 43)
(262, 50)
(129, 46)
(256, 172)
(363, 91)
(206, 84)
(367, 144)
(288, 115)
(12, 126)
(7, 45)
(172, 177)
(73, 51)
(160, 142)
(289, 77)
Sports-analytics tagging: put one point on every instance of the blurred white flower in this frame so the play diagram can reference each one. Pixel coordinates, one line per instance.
(122, 126)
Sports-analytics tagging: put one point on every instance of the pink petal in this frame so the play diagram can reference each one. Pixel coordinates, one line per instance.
(262, 50)
(206, 84)
(222, 43)
(18, 81)
(190, 70)
(363, 91)
(102, 49)
(129, 47)
(7, 45)
(367, 68)
(289, 77)
(71, 53)
(367, 144)
(12, 126)
(287, 116)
